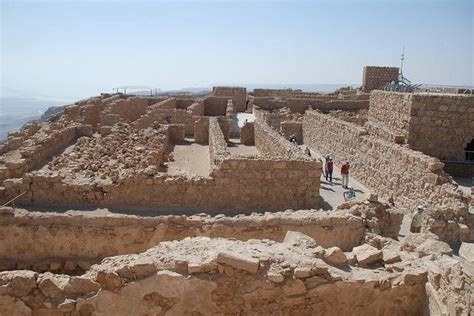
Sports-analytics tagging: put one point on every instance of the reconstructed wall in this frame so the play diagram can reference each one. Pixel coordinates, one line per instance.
(375, 77)
(441, 125)
(392, 170)
(390, 115)
(237, 94)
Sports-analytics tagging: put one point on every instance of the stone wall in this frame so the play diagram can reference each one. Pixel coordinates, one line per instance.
(125, 110)
(416, 118)
(237, 94)
(375, 77)
(197, 108)
(215, 106)
(75, 235)
(247, 135)
(390, 115)
(201, 130)
(202, 276)
(154, 113)
(271, 144)
(391, 170)
(292, 128)
(441, 124)
(300, 105)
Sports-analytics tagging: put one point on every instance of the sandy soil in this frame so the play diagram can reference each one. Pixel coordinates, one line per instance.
(190, 159)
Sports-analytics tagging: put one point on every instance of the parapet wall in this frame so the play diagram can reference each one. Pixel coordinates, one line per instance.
(392, 171)
(375, 77)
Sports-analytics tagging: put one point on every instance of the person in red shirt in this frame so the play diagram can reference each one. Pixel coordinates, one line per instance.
(329, 168)
(345, 174)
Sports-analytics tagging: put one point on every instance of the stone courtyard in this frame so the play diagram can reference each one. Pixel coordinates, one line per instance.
(137, 205)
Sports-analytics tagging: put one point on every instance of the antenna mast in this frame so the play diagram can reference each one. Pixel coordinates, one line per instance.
(401, 64)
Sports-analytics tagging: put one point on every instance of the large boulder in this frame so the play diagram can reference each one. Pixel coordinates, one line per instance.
(431, 246)
(335, 257)
(297, 239)
(367, 255)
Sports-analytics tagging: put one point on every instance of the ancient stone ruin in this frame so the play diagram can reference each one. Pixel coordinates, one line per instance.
(134, 205)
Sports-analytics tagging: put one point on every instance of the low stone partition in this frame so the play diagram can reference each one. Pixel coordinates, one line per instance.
(394, 171)
(36, 235)
(153, 113)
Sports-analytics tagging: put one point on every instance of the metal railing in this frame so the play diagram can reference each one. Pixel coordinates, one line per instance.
(12, 201)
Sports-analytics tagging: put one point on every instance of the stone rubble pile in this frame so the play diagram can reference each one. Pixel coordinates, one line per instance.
(230, 276)
(122, 153)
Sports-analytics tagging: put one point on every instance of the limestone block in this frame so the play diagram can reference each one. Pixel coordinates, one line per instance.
(143, 267)
(18, 283)
(367, 255)
(275, 277)
(6, 211)
(52, 285)
(302, 272)
(391, 256)
(109, 279)
(81, 286)
(466, 251)
(295, 238)
(432, 246)
(239, 261)
(335, 257)
(414, 276)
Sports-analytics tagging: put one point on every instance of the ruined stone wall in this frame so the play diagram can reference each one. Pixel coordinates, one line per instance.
(215, 106)
(217, 144)
(53, 235)
(271, 144)
(375, 77)
(415, 119)
(392, 170)
(197, 108)
(201, 130)
(202, 276)
(153, 113)
(247, 135)
(184, 103)
(39, 150)
(292, 128)
(441, 124)
(237, 94)
(390, 115)
(300, 105)
(125, 110)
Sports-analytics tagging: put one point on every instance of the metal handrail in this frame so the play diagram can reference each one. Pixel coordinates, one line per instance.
(13, 200)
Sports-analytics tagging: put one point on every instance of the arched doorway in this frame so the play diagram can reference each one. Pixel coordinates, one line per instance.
(469, 149)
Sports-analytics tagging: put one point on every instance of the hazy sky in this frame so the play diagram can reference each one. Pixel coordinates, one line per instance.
(81, 48)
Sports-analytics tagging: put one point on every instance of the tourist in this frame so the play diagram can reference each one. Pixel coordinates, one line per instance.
(293, 139)
(329, 169)
(349, 195)
(345, 174)
(417, 220)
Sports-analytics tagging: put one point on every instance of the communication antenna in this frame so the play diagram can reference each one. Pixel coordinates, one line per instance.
(401, 63)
